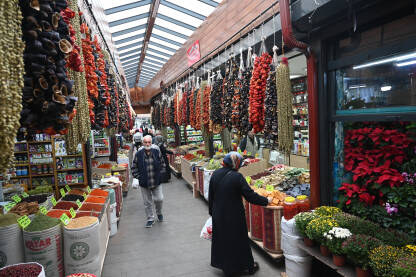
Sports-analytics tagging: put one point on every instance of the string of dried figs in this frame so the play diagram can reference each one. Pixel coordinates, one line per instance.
(257, 91)
(11, 78)
(270, 114)
(229, 88)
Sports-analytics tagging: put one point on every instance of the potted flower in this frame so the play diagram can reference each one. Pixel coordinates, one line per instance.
(316, 229)
(327, 211)
(382, 259)
(405, 267)
(357, 249)
(334, 239)
(301, 221)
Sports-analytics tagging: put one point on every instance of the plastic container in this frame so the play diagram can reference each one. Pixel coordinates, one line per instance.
(290, 208)
(256, 222)
(303, 203)
(298, 266)
(271, 228)
(11, 245)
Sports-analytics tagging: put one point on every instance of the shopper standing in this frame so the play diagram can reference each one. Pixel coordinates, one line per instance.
(147, 167)
(230, 249)
(250, 143)
(137, 139)
(159, 140)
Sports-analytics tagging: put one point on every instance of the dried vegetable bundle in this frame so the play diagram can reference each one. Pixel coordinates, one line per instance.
(216, 105)
(171, 114)
(270, 114)
(206, 105)
(192, 108)
(244, 123)
(185, 112)
(284, 107)
(80, 128)
(229, 88)
(124, 113)
(73, 59)
(113, 107)
(198, 109)
(176, 108)
(257, 91)
(11, 78)
(193, 103)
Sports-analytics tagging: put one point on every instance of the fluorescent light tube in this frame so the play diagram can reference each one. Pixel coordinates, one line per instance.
(385, 88)
(388, 60)
(406, 63)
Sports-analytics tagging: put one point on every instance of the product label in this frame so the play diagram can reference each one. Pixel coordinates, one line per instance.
(16, 198)
(68, 189)
(65, 219)
(62, 190)
(89, 190)
(9, 206)
(79, 203)
(72, 212)
(248, 153)
(25, 195)
(38, 244)
(23, 221)
(53, 201)
(43, 210)
(85, 195)
(269, 188)
(257, 155)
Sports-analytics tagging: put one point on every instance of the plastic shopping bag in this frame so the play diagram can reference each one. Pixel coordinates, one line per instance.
(135, 184)
(206, 232)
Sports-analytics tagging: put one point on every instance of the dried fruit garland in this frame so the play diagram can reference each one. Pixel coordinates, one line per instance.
(73, 59)
(185, 112)
(206, 107)
(176, 109)
(191, 109)
(172, 114)
(257, 91)
(270, 114)
(11, 79)
(229, 88)
(216, 106)
(193, 103)
(112, 108)
(198, 110)
(244, 124)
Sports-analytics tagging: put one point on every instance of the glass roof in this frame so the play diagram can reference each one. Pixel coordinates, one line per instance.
(175, 21)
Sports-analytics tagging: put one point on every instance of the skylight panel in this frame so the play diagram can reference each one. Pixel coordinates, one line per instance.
(168, 35)
(181, 16)
(129, 42)
(167, 44)
(149, 51)
(138, 32)
(128, 25)
(151, 63)
(173, 26)
(195, 6)
(147, 58)
(138, 49)
(126, 13)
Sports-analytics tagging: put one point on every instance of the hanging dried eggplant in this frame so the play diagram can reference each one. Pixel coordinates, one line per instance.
(216, 105)
(229, 88)
(270, 114)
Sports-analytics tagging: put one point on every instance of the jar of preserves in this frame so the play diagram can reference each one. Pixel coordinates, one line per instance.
(290, 208)
(303, 203)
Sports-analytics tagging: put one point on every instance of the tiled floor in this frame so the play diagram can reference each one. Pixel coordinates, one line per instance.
(171, 248)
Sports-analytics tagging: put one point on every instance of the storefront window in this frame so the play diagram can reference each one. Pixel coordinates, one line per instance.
(383, 85)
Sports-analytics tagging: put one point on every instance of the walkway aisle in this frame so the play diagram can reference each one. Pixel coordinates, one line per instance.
(171, 248)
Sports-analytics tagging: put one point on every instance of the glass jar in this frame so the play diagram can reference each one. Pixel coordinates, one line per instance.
(303, 203)
(290, 208)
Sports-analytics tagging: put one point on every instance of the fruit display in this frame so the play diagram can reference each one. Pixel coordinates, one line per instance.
(257, 91)
(278, 197)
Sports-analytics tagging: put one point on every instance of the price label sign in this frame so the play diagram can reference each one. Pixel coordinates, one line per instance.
(248, 179)
(89, 190)
(68, 189)
(269, 188)
(16, 198)
(259, 183)
(62, 190)
(257, 155)
(53, 201)
(79, 204)
(64, 219)
(25, 195)
(72, 212)
(9, 206)
(23, 221)
(43, 210)
(108, 174)
(248, 153)
(85, 195)
(239, 151)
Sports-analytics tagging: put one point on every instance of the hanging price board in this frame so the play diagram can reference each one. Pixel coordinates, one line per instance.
(16, 198)
(72, 212)
(53, 200)
(25, 195)
(64, 218)
(23, 221)
(9, 206)
(79, 204)
(43, 210)
(269, 188)
(68, 189)
(85, 195)
(62, 190)
(89, 190)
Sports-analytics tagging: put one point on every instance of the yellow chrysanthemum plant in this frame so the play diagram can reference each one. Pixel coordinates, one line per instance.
(318, 227)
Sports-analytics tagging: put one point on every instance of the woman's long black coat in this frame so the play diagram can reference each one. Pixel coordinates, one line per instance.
(230, 250)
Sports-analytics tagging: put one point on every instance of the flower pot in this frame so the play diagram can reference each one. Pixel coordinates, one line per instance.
(359, 272)
(338, 260)
(308, 242)
(324, 250)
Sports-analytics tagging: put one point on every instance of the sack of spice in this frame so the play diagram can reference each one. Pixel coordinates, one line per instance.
(11, 240)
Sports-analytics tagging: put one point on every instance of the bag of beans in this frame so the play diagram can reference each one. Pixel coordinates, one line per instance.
(82, 246)
(23, 269)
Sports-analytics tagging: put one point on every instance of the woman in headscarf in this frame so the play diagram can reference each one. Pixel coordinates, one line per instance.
(159, 140)
(230, 249)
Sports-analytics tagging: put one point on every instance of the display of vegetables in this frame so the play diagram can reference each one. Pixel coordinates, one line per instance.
(231, 76)
(257, 91)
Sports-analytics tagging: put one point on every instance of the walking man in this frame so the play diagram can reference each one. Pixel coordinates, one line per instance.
(147, 167)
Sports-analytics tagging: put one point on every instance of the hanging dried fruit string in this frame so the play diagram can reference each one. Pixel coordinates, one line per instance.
(229, 88)
(270, 114)
(258, 88)
(216, 104)
(206, 104)
(80, 128)
(192, 108)
(245, 125)
(172, 114)
(11, 79)
(198, 109)
(284, 107)
(236, 116)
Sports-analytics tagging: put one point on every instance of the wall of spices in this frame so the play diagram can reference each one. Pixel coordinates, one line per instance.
(300, 117)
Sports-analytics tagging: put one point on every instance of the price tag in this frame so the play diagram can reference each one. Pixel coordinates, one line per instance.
(108, 174)
(269, 188)
(72, 212)
(245, 152)
(64, 218)
(89, 190)
(79, 204)
(116, 173)
(239, 151)
(9, 206)
(23, 221)
(53, 200)
(25, 195)
(85, 195)
(248, 153)
(16, 198)
(248, 179)
(257, 155)
(68, 189)
(62, 190)
(259, 183)
(43, 210)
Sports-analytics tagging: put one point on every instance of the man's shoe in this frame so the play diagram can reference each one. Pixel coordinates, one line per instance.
(160, 217)
(149, 223)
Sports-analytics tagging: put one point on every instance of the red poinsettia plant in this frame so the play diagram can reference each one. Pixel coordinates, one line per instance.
(374, 154)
